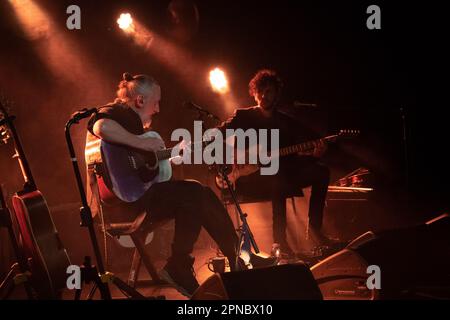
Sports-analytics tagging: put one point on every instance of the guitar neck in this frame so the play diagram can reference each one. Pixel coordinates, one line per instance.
(20, 154)
(164, 154)
(303, 147)
(30, 185)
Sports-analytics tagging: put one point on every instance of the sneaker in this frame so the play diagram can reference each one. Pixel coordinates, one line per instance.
(255, 263)
(179, 272)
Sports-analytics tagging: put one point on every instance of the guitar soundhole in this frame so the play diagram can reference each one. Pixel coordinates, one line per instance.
(145, 164)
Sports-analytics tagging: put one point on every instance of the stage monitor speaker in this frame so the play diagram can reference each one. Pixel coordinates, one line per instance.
(413, 261)
(284, 282)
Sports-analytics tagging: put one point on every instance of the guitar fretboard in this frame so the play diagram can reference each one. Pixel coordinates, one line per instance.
(164, 154)
(303, 147)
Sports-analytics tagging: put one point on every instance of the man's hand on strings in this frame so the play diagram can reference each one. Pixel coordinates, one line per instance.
(319, 149)
(152, 144)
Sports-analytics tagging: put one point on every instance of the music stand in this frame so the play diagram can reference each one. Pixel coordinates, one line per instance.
(90, 273)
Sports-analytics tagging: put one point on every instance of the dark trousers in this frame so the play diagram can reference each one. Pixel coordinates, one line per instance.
(193, 206)
(293, 175)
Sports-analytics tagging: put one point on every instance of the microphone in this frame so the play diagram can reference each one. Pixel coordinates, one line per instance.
(301, 104)
(83, 113)
(193, 106)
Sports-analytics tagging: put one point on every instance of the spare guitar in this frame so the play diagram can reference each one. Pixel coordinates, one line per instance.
(240, 170)
(39, 239)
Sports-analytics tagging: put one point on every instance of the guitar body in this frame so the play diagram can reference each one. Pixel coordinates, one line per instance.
(40, 242)
(132, 172)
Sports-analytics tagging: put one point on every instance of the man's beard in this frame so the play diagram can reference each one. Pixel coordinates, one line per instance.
(148, 122)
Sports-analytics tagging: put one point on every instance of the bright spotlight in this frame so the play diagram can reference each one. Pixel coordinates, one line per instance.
(125, 22)
(218, 80)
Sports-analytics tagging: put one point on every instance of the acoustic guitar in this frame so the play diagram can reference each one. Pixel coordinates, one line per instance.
(127, 173)
(39, 240)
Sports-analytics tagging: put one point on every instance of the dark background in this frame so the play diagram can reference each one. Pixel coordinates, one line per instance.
(360, 78)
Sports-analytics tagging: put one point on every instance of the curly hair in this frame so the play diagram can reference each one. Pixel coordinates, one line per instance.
(262, 79)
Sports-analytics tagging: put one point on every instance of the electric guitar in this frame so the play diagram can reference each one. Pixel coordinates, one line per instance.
(126, 173)
(240, 170)
(39, 240)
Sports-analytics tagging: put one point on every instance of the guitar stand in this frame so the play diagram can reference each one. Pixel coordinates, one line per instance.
(90, 273)
(18, 273)
(244, 229)
(14, 278)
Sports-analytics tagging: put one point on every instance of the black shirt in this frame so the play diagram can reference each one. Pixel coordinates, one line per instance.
(131, 122)
(120, 113)
(290, 130)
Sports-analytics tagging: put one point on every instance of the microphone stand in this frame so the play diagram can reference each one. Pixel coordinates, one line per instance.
(202, 112)
(245, 233)
(89, 272)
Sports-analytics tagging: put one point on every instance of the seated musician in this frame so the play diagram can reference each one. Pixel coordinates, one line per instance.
(295, 171)
(190, 203)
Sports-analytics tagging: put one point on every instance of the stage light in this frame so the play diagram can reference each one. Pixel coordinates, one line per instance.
(34, 21)
(218, 80)
(125, 22)
(64, 58)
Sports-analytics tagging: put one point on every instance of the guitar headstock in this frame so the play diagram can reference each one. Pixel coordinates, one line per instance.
(348, 133)
(4, 134)
(4, 130)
